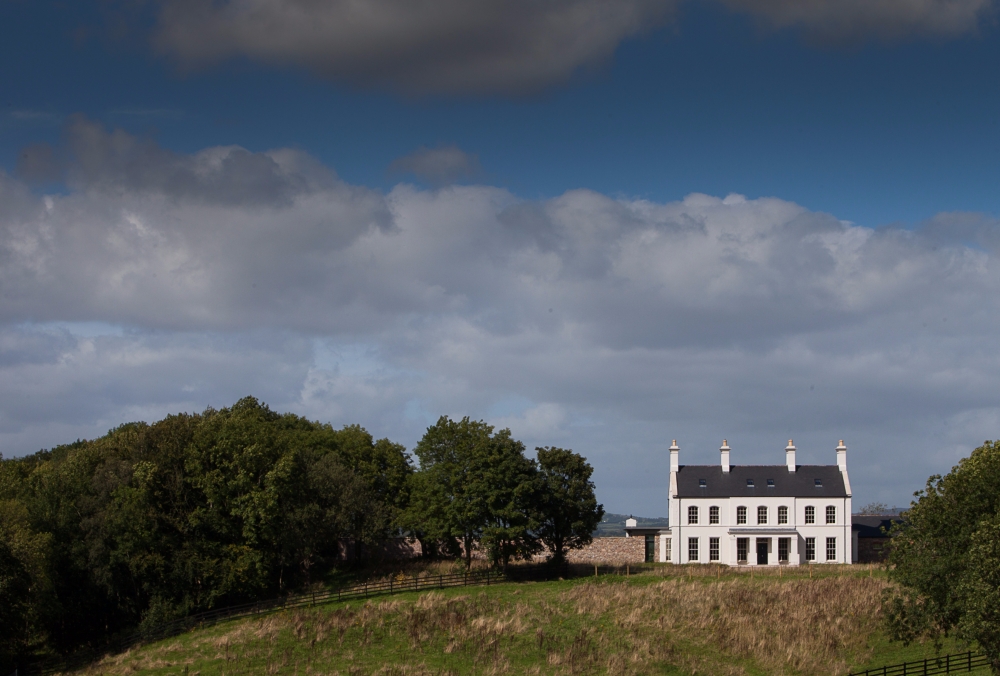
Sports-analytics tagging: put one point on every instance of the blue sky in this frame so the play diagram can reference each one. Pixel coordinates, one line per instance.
(533, 167)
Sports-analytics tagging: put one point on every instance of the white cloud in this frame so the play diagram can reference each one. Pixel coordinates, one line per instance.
(158, 284)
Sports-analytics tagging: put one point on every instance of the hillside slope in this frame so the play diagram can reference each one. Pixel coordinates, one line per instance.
(702, 622)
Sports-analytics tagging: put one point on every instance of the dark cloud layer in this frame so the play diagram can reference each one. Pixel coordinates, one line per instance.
(856, 20)
(499, 46)
(155, 284)
(415, 46)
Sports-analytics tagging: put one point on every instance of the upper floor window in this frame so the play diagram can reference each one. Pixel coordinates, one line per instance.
(819, 483)
(749, 483)
(810, 514)
(831, 514)
(770, 483)
(761, 515)
(741, 515)
(702, 483)
(692, 514)
(782, 515)
(713, 515)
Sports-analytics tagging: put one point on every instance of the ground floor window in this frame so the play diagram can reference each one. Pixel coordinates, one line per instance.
(650, 548)
(831, 549)
(713, 549)
(693, 550)
(742, 545)
(670, 556)
(783, 546)
(810, 549)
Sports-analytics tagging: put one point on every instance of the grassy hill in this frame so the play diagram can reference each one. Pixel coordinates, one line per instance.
(672, 620)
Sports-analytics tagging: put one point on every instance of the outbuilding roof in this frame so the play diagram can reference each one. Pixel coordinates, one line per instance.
(709, 481)
(870, 526)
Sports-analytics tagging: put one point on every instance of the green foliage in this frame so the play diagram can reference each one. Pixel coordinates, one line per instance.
(945, 556)
(476, 488)
(155, 521)
(512, 489)
(568, 509)
(980, 590)
(446, 498)
(15, 594)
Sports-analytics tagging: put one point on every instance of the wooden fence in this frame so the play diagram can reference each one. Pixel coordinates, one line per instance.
(959, 663)
(393, 585)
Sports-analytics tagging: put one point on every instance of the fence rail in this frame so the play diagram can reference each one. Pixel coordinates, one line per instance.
(364, 590)
(958, 663)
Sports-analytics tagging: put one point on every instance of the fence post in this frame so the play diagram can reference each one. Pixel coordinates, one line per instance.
(440, 581)
(390, 584)
(925, 666)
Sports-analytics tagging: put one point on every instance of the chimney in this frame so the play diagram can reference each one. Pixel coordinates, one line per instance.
(790, 456)
(842, 456)
(675, 452)
(724, 450)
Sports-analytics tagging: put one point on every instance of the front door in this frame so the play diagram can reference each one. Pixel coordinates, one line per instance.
(762, 552)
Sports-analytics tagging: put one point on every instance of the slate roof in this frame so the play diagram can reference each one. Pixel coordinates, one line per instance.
(871, 526)
(798, 484)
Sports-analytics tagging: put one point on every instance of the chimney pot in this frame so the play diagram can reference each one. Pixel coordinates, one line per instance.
(842, 456)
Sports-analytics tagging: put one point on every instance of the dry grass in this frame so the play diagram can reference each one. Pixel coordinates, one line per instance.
(798, 626)
(733, 625)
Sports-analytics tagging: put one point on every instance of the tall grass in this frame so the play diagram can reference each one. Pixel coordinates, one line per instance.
(700, 622)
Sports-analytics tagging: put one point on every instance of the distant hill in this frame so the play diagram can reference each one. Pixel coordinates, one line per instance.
(613, 525)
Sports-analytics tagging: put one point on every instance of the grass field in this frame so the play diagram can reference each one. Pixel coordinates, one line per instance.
(674, 620)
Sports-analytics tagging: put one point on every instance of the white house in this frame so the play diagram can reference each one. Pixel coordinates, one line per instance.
(757, 515)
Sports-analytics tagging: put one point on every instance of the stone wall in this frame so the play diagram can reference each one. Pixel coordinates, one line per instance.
(613, 551)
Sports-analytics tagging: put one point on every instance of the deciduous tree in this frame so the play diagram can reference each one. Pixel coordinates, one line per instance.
(568, 509)
(944, 556)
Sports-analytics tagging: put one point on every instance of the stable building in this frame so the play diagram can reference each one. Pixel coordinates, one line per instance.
(754, 515)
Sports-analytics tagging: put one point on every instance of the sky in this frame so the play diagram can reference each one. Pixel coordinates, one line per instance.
(602, 225)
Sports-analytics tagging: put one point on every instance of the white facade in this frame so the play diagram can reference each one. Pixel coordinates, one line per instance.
(756, 515)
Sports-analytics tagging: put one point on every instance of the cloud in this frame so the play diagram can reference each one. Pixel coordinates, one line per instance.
(438, 166)
(414, 46)
(837, 21)
(161, 281)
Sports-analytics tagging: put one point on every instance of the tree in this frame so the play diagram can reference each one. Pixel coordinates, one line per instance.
(15, 592)
(980, 591)
(874, 509)
(942, 554)
(510, 485)
(568, 509)
(446, 499)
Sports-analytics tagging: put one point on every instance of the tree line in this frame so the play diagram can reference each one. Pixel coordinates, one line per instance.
(155, 521)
